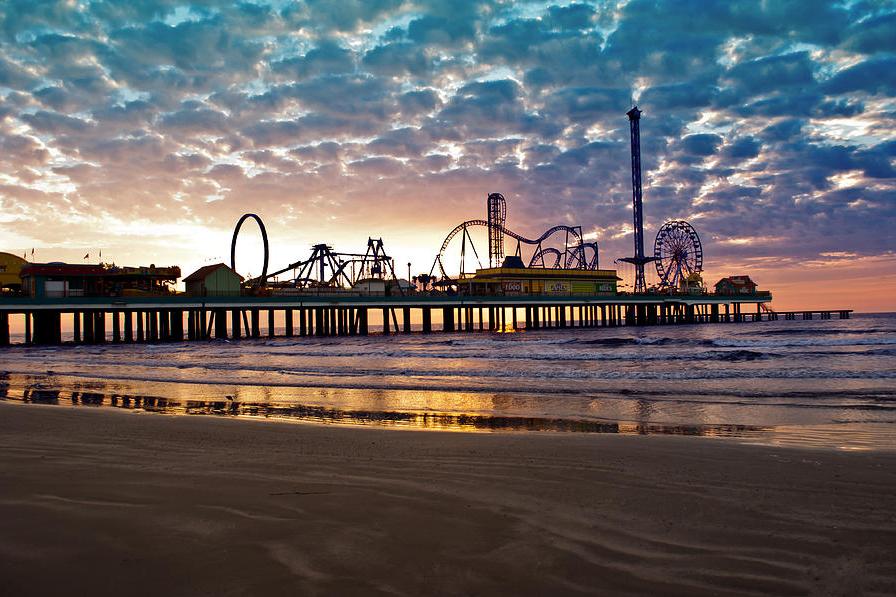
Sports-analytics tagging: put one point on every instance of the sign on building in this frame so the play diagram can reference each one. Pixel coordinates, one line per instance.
(557, 288)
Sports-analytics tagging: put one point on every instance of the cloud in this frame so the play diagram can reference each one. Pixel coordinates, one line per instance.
(195, 120)
(441, 31)
(773, 73)
(742, 148)
(876, 76)
(397, 59)
(327, 58)
(701, 144)
(873, 34)
(52, 122)
(326, 115)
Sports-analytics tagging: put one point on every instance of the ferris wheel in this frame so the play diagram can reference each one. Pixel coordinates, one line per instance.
(677, 252)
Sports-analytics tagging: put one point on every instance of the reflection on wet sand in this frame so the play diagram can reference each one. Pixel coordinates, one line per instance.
(40, 394)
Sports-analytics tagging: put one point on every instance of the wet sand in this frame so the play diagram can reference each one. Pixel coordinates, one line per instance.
(104, 502)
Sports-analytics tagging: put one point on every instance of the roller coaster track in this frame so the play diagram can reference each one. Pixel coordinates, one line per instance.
(541, 253)
(264, 238)
(573, 231)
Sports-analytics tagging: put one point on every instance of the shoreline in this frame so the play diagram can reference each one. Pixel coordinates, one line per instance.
(243, 507)
(836, 436)
(334, 406)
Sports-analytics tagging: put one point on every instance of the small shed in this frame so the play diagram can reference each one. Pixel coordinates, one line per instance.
(736, 285)
(213, 280)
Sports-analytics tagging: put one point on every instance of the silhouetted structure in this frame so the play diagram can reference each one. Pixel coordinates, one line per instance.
(497, 216)
(59, 280)
(213, 280)
(634, 117)
(733, 285)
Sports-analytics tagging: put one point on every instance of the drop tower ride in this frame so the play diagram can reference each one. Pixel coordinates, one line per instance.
(634, 117)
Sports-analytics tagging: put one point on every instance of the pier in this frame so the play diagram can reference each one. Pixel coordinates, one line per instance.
(180, 318)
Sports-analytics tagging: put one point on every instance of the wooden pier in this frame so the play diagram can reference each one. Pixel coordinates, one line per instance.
(179, 318)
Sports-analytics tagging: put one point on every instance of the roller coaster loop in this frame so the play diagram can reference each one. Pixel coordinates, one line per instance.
(264, 237)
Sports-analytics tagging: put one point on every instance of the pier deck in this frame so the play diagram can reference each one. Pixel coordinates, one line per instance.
(179, 318)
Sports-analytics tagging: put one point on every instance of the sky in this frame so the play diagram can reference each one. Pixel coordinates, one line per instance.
(144, 129)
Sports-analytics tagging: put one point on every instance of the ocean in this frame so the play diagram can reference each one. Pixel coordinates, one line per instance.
(822, 383)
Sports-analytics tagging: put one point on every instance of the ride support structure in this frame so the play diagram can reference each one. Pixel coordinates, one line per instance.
(325, 268)
(497, 216)
(639, 260)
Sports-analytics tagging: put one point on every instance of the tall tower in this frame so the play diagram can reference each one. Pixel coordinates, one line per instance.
(497, 215)
(634, 117)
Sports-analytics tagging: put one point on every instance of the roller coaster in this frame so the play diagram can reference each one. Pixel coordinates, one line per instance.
(575, 252)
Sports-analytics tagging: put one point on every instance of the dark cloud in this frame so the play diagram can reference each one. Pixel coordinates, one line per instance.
(409, 142)
(773, 73)
(342, 15)
(681, 95)
(328, 58)
(587, 104)
(783, 130)
(53, 122)
(877, 75)
(415, 102)
(195, 120)
(397, 59)
(743, 148)
(701, 144)
(12, 75)
(438, 30)
(873, 34)
(486, 108)
(571, 17)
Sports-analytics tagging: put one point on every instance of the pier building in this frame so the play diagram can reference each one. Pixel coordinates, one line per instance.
(213, 280)
(10, 272)
(516, 280)
(735, 285)
(61, 280)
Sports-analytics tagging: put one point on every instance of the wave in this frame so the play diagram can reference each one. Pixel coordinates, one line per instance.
(731, 350)
(530, 375)
(795, 343)
(821, 331)
(611, 342)
(880, 352)
(546, 356)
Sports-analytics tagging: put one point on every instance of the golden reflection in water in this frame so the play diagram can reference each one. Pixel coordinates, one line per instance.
(447, 411)
(444, 411)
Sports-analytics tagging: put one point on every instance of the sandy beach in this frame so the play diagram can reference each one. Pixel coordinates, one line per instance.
(103, 502)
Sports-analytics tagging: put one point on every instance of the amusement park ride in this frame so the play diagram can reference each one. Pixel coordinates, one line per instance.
(325, 268)
(677, 255)
(573, 253)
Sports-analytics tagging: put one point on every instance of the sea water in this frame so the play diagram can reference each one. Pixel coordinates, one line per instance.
(818, 382)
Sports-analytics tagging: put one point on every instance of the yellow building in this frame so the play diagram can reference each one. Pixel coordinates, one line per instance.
(510, 281)
(10, 268)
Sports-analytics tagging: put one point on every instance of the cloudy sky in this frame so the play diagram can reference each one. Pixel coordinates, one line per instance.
(145, 129)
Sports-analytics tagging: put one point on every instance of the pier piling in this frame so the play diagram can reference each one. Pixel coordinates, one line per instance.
(171, 320)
